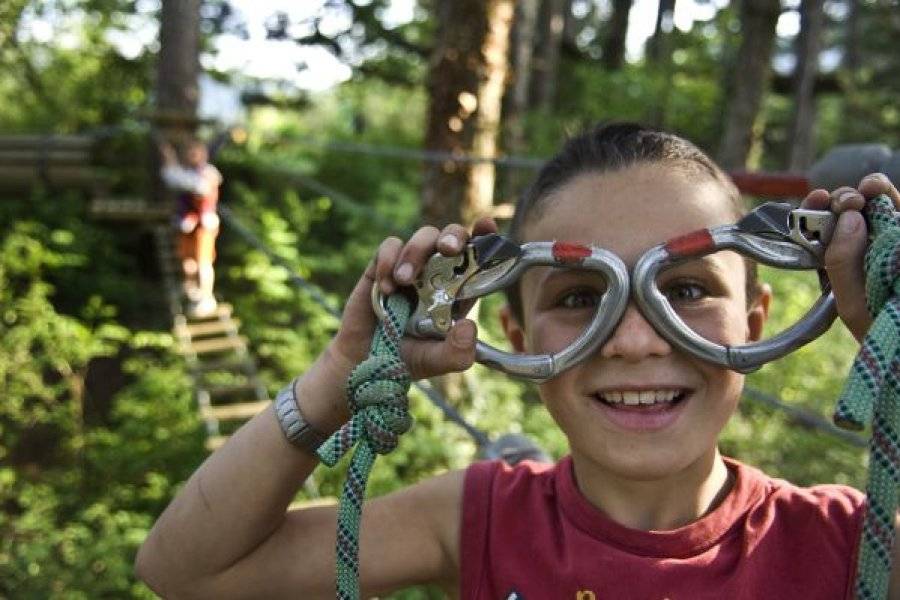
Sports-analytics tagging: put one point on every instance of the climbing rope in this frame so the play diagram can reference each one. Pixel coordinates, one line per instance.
(376, 394)
(872, 395)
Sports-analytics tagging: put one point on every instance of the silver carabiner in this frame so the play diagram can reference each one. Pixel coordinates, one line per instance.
(774, 234)
(491, 263)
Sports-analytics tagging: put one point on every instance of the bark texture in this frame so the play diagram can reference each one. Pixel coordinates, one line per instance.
(751, 72)
(803, 124)
(517, 96)
(179, 65)
(551, 24)
(613, 56)
(466, 82)
(657, 45)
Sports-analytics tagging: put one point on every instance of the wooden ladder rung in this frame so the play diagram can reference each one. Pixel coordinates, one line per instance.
(241, 410)
(215, 442)
(219, 344)
(231, 365)
(210, 327)
(313, 503)
(230, 390)
(128, 208)
(223, 310)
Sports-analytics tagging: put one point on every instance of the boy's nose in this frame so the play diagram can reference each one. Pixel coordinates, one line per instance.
(634, 338)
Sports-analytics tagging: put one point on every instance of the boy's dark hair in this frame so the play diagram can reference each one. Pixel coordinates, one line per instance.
(608, 148)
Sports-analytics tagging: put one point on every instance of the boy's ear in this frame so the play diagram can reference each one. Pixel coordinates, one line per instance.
(513, 330)
(758, 313)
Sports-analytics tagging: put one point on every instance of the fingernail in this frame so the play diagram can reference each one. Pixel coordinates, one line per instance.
(404, 272)
(847, 223)
(450, 241)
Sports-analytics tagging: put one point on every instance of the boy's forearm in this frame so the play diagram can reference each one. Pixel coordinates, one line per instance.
(238, 497)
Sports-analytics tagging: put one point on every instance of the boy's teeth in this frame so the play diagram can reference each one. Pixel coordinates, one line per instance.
(630, 398)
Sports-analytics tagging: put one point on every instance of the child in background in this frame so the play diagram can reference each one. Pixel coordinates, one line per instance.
(197, 183)
(644, 506)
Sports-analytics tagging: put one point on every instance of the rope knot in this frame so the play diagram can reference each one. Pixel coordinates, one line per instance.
(377, 396)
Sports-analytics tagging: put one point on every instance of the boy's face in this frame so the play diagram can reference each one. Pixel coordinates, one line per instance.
(689, 401)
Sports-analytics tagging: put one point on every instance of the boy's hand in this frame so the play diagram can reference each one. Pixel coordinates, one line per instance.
(844, 257)
(397, 264)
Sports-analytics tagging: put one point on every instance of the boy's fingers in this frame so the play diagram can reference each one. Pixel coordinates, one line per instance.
(844, 264)
(414, 254)
(385, 260)
(878, 183)
(455, 353)
(816, 200)
(846, 198)
(452, 239)
(484, 226)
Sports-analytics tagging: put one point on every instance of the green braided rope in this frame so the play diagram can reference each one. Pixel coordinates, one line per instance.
(376, 393)
(872, 394)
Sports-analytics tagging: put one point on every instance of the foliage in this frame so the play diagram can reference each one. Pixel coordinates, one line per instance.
(49, 86)
(82, 475)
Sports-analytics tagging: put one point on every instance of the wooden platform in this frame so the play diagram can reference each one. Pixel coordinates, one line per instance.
(51, 160)
(129, 209)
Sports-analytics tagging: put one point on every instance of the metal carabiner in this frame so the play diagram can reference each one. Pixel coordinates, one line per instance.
(775, 234)
(491, 263)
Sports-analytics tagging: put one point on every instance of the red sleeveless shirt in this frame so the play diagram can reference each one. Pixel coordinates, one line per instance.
(529, 534)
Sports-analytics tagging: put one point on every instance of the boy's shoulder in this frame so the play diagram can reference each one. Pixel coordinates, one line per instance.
(829, 501)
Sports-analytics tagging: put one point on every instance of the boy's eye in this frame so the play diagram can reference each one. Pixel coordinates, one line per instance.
(579, 299)
(685, 292)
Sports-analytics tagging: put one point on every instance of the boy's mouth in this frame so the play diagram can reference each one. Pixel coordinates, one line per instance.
(643, 399)
(645, 409)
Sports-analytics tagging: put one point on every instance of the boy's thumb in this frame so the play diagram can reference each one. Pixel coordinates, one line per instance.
(844, 264)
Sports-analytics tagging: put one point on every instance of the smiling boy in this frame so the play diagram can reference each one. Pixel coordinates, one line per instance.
(644, 506)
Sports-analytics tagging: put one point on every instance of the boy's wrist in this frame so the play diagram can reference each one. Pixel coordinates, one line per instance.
(320, 393)
(297, 430)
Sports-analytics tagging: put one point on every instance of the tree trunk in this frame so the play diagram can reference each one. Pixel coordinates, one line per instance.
(758, 20)
(177, 83)
(657, 45)
(803, 130)
(517, 96)
(850, 67)
(551, 24)
(466, 81)
(177, 90)
(613, 56)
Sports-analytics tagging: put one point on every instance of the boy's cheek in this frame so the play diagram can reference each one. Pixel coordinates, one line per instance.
(548, 337)
(725, 327)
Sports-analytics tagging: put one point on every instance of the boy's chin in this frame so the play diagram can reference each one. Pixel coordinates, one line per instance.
(639, 464)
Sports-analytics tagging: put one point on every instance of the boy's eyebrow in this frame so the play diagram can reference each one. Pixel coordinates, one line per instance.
(549, 274)
(707, 261)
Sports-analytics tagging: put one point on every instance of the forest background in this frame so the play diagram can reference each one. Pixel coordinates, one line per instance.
(98, 425)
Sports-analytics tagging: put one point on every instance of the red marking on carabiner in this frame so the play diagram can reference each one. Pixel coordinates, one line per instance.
(696, 242)
(565, 252)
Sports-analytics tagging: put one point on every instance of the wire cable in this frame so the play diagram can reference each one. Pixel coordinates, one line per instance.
(480, 437)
